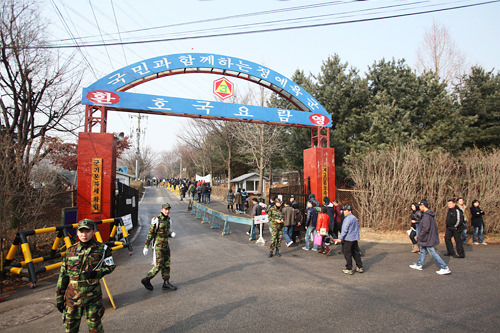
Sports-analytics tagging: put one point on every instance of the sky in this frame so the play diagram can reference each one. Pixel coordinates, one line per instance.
(475, 31)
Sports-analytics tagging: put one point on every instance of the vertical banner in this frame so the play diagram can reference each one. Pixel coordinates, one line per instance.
(96, 188)
(324, 181)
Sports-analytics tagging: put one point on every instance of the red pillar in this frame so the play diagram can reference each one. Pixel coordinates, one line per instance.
(319, 167)
(96, 146)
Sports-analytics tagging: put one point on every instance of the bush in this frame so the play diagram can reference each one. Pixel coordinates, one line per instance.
(388, 181)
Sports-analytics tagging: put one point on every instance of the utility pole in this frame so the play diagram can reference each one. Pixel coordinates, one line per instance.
(138, 142)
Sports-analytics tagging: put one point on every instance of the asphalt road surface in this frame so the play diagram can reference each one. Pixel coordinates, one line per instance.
(228, 284)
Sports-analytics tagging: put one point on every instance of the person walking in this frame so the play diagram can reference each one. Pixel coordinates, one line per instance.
(477, 223)
(337, 227)
(428, 238)
(454, 227)
(461, 205)
(322, 227)
(276, 223)
(230, 201)
(158, 235)
(416, 216)
(349, 237)
(78, 287)
(237, 201)
(310, 225)
(288, 222)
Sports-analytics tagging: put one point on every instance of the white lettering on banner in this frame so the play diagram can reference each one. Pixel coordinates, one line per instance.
(103, 97)
(259, 219)
(319, 119)
(186, 60)
(225, 62)
(243, 67)
(142, 69)
(209, 60)
(281, 80)
(162, 63)
(312, 103)
(160, 104)
(264, 72)
(243, 112)
(296, 90)
(116, 78)
(205, 107)
(284, 115)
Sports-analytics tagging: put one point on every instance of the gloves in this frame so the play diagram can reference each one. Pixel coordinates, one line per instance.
(172, 234)
(89, 275)
(145, 251)
(60, 304)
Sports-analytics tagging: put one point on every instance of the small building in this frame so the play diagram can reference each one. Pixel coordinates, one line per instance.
(249, 182)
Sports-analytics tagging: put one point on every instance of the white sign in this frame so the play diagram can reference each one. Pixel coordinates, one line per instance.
(127, 221)
(261, 219)
(128, 201)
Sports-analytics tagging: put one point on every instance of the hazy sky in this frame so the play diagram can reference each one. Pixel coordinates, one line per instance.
(474, 29)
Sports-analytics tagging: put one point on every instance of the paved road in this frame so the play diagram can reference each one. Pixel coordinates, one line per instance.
(228, 284)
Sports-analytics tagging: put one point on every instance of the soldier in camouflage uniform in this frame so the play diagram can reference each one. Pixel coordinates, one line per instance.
(276, 225)
(158, 235)
(78, 287)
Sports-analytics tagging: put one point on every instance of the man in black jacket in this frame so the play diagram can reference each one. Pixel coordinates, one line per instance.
(454, 226)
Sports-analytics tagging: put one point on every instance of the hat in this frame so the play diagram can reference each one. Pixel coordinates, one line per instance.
(347, 207)
(423, 202)
(292, 196)
(277, 200)
(86, 224)
(165, 206)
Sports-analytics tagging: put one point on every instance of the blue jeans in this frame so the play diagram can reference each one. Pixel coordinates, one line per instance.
(478, 233)
(432, 252)
(311, 231)
(287, 232)
(464, 234)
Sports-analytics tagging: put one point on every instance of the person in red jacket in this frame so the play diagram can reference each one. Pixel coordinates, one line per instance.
(322, 227)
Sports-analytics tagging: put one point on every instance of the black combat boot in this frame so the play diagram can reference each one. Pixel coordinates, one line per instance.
(147, 283)
(278, 254)
(167, 285)
(270, 254)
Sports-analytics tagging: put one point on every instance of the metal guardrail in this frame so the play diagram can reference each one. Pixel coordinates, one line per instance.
(208, 215)
(28, 265)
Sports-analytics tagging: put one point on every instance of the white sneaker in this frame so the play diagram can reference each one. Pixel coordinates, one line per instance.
(248, 233)
(415, 266)
(476, 243)
(484, 243)
(305, 248)
(314, 249)
(443, 271)
(289, 243)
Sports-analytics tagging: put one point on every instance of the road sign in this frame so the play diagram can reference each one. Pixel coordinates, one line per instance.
(223, 88)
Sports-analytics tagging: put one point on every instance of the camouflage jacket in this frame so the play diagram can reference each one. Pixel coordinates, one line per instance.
(71, 285)
(159, 232)
(274, 215)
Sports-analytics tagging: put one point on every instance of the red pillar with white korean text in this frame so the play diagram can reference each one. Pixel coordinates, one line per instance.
(96, 177)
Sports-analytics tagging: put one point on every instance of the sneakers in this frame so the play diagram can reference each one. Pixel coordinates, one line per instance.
(360, 269)
(305, 248)
(348, 271)
(484, 243)
(443, 271)
(289, 243)
(248, 233)
(476, 243)
(415, 266)
(314, 249)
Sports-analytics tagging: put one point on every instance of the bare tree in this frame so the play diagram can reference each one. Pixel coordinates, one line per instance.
(37, 97)
(439, 54)
(147, 161)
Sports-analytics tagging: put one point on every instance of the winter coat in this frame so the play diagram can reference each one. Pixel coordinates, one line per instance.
(454, 221)
(323, 221)
(338, 214)
(415, 218)
(330, 211)
(230, 198)
(312, 217)
(477, 216)
(428, 233)
(237, 198)
(288, 216)
(256, 210)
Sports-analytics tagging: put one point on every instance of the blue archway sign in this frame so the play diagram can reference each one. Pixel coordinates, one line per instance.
(110, 91)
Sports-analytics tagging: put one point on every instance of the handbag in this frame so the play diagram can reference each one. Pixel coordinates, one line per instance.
(318, 239)
(323, 232)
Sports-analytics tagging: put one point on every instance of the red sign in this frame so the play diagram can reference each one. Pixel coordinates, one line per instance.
(103, 97)
(223, 88)
(319, 119)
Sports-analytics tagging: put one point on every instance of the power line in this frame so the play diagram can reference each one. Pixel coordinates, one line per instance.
(118, 29)
(100, 33)
(269, 30)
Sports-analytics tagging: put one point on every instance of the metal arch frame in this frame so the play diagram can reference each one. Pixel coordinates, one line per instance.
(146, 70)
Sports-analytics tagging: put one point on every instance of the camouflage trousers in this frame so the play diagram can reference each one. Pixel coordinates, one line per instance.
(276, 235)
(162, 264)
(93, 312)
